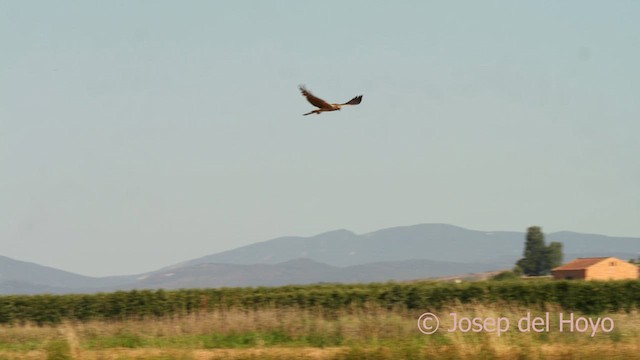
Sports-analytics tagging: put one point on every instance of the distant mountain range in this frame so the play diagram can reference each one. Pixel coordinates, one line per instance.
(398, 253)
(21, 277)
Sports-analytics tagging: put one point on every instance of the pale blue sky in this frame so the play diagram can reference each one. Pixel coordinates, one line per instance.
(152, 132)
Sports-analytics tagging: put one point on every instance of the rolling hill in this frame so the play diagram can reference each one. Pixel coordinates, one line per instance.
(21, 277)
(398, 253)
(440, 242)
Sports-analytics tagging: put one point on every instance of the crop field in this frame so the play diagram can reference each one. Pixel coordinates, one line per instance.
(368, 321)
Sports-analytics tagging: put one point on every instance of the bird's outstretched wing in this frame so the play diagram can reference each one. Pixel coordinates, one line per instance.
(314, 100)
(355, 101)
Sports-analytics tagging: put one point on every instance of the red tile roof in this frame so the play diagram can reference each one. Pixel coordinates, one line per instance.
(581, 263)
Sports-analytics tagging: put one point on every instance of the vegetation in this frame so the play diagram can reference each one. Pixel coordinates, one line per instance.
(330, 321)
(587, 297)
(507, 275)
(58, 349)
(539, 258)
(368, 332)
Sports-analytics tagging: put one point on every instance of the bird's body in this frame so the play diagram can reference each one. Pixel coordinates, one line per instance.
(323, 105)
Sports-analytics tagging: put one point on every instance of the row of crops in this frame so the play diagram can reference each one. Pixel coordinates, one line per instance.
(586, 297)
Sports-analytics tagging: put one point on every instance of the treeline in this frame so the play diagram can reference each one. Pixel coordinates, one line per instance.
(586, 297)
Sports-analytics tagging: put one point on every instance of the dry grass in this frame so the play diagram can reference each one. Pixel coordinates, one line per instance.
(372, 333)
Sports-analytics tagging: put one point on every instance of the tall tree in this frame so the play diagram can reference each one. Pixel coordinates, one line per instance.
(533, 260)
(554, 256)
(539, 258)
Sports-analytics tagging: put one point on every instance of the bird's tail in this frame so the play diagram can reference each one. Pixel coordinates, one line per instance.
(311, 112)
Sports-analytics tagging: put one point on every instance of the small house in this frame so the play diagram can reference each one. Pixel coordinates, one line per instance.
(596, 268)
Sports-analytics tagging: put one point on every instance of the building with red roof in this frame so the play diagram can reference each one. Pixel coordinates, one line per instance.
(596, 268)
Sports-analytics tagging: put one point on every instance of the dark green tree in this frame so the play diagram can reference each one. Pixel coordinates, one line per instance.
(539, 258)
(534, 252)
(554, 256)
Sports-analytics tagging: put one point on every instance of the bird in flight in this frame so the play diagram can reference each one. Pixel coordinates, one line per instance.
(323, 105)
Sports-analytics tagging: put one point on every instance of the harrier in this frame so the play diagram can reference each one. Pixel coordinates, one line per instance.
(323, 105)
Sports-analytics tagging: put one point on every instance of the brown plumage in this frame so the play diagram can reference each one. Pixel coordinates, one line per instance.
(323, 105)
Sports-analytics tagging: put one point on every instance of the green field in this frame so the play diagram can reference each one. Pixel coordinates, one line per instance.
(365, 321)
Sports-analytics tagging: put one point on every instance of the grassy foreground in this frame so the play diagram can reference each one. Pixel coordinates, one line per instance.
(363, 332)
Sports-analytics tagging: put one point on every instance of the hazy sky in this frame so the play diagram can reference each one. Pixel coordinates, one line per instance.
(138, 134)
